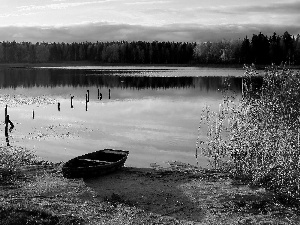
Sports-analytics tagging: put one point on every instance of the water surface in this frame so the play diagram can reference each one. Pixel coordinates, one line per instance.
(153, 111)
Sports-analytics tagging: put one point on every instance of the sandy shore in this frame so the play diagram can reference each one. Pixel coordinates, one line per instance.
(155, 191)
(179, 194)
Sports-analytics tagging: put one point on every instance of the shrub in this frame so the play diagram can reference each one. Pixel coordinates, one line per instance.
(261, 140)
(12, 159)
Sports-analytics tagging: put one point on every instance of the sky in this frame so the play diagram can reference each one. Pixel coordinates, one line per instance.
(145, 20)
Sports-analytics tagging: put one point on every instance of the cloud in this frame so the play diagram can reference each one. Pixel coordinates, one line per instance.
(273, 8)
(56, 6)
(283, 7)
(146, 2)
(113, 32)
(5, 15)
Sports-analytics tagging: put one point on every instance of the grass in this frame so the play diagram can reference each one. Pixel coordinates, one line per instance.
(11, 161)
(24, 177)
(35, 216)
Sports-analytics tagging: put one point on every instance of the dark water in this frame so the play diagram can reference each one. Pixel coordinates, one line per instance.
(152, 112)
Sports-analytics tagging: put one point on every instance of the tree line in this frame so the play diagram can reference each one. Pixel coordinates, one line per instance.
(260, 49)
(136, 52)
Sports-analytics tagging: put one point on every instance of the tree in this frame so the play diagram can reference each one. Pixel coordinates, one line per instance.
(260, 49)
(287, 47)
(1, 53)
(246, 51)
(236, 54)
(42, 52)
(297, 50)
(275, 51)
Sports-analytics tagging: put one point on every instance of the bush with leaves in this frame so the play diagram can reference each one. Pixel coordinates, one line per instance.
(261, 139)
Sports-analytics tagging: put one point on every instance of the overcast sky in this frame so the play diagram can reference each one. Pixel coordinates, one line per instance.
(146, 20)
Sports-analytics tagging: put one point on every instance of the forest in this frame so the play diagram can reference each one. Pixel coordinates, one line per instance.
(260, 49)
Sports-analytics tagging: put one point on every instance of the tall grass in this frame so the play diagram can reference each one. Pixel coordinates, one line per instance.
(11, 161)
(258, 137)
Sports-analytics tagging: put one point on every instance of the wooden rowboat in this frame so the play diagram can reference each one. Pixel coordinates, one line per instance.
(95, 163)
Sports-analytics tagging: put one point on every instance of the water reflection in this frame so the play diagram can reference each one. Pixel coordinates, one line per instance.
(29, 78)
(6, 130)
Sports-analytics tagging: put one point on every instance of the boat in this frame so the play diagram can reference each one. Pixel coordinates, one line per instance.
(95, 163)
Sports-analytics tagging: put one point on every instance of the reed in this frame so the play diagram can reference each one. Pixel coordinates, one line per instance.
(257, 138)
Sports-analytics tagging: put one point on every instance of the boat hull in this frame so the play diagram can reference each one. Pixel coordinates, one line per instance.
(95, 164)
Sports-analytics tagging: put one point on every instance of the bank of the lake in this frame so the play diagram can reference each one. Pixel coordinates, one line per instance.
(178, 194)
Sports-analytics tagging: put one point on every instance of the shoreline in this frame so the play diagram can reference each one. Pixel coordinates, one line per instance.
(179, 194)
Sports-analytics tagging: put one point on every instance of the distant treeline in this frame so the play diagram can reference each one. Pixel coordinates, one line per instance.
(137, 52)
(260, 49)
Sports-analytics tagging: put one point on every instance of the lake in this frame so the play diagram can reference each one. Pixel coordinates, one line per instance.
(153, 112)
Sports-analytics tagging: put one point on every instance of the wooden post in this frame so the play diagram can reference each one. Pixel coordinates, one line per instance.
(6, 125)
(100, 96)
(7, 141)
(6, 120)
(32, 114)
(6, 129)
(108, 93)
(88, 95)
(9, 122)
(72, 102)
(5, 112)
(58, 106)
(98, 93)
(86, 101)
